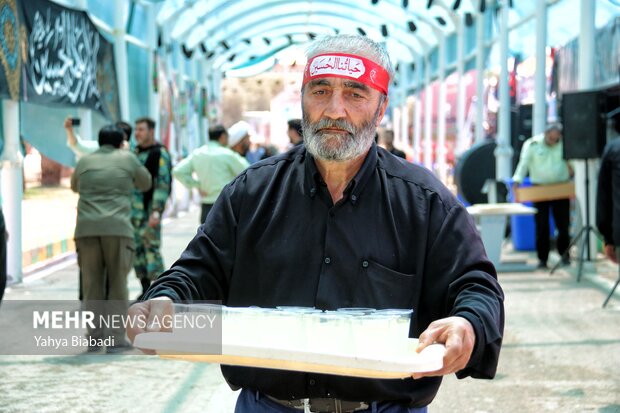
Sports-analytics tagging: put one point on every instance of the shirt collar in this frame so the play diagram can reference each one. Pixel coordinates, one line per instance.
(356, 185)
(214, 144)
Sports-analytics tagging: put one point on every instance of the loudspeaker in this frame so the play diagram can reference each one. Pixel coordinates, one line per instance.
(475, 166)
(520, 130)
(584, 132)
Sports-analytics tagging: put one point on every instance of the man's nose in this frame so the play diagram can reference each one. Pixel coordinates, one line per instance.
(336, 106)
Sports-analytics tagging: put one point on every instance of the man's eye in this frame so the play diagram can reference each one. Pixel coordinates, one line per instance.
(319, 92)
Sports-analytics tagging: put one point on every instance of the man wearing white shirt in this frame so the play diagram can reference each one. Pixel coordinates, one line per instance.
(214, 165)
(542, 158)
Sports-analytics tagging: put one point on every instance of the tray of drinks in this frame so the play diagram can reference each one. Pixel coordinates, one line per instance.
(349, 342)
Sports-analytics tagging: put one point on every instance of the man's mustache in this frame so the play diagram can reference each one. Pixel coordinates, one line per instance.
(334, 124)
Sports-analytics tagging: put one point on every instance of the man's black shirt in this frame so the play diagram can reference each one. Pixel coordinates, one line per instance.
(397, 239)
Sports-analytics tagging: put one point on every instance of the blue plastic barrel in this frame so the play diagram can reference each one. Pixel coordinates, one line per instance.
(523, 227)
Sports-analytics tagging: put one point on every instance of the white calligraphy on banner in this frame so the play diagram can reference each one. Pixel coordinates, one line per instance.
(62, 57)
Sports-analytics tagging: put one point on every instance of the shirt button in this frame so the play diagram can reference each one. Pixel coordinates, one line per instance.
(365, 264)
(353, 198)
(327, 260)
(312, 382)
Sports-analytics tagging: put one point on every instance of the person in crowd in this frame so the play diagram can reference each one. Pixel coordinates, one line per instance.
(339, 222)
(386, 139)
(214, 165)
(127, 130)
(608, 198)
(148, 207)
(269, 150)
(541, 158)
(105, 180)
(81, 147)
(295, 134)
(239, 137)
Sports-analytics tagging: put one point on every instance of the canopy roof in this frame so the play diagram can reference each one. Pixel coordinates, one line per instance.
(236, 33)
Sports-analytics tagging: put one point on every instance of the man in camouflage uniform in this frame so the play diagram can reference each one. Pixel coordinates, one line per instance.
(148, 207)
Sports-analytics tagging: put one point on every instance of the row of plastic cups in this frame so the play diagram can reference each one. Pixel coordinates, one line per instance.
(309, 329)
(361, 330)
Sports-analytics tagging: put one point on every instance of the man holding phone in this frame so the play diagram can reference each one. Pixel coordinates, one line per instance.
(81, 147)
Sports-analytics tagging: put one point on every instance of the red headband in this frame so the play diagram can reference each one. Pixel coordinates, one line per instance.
(349, 67)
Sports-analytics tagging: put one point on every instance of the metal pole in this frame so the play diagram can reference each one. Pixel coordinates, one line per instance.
(86, 123)
(461, 137)
(152, 44)
(396, 123)
(202, 123)
(540, 85)
(417, 120)
(480, 58)
(405, 140)
(404, 113)
(12, 189)
(428, 112)
(441, 112)
(120, 55)
(503, 151)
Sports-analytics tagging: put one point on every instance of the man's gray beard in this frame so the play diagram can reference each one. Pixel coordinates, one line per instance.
(351, 145)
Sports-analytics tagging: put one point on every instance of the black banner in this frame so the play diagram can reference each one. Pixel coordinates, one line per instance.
(67, 61)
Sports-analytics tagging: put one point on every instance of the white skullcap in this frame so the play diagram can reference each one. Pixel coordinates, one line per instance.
(237, 132)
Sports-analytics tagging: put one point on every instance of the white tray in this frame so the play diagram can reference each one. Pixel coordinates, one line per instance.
(400, 362)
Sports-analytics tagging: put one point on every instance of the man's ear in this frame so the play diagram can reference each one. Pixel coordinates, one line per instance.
(382, 110)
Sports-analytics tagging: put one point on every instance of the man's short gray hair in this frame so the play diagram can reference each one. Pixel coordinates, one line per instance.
(352, 44)
(554, 126)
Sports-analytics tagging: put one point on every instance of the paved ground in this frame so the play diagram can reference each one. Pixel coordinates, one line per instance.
(561, 354)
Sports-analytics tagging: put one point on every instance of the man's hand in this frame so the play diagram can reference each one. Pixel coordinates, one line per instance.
(153, 312)
(610, 252)
(458, 335)
(68, 125)
(71, 139)
(154, 219)
(515, 185)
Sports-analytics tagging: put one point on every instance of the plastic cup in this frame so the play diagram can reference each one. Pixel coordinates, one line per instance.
(198, 320)
(398, 322)
(243, 325)
(328, 333)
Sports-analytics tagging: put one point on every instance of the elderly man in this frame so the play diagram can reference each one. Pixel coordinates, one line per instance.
(542, 158)
(338, 222)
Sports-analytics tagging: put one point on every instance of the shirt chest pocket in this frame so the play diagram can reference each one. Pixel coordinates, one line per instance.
(540, 153)
(381, 287)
